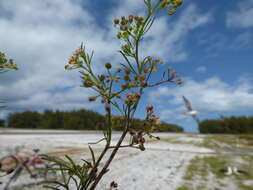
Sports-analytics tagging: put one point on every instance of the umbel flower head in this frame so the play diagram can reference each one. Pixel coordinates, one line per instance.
(75, 61)
(132, 98)
(171, 4)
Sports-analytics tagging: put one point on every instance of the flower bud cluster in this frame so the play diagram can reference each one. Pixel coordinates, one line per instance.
(137, 138)
(152, 121)
(92, 98)
(129, 27)
(137, 80)
(6, 63)
(116, 95)
(153, 63)
(108, 66)
(172, 4)
(132, 98)
(74, 61)
(87, 81)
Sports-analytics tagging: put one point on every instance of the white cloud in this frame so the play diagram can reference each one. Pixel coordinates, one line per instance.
(40, 36)
(242, 17)
(173, 114)
(168, 38)
(201, 69)
(210, 96)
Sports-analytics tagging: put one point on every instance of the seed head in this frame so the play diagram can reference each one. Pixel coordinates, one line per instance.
(127, 71)
(67, 67)
(92, 98)
(171, 11)
(124, 86)
(127, 78)
(118, 35)
(101, 77)
(87, 84)
(116, 21)
(142, 77)
(149, 58)
(108, 65)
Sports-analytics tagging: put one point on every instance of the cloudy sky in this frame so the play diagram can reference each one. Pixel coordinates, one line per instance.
(209, 43)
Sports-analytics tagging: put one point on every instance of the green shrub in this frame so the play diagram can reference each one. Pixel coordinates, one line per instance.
(228, 125)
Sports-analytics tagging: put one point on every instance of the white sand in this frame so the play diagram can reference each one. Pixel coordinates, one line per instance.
(160, 167)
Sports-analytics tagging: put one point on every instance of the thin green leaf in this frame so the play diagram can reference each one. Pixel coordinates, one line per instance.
(71, 161)
(148, 26)
(129, 64)
(88, 163)
(93, 156)
(74, 180)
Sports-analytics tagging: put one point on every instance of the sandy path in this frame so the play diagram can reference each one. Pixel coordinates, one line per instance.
(149, 170)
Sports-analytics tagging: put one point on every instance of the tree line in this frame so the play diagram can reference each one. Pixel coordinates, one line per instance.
(73, 120)
(229, 125)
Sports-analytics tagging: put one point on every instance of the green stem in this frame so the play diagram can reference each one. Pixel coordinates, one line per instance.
(103, 171)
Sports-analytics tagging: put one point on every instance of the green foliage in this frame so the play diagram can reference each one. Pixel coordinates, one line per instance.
(68, 172)
(28, 119)
(229, 125)
(82, 119)
(167, 127)
(74, 120)
(2, 122)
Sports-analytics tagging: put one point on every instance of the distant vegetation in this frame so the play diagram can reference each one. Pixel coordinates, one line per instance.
(81, 119)
(2, 122)
(229, 125)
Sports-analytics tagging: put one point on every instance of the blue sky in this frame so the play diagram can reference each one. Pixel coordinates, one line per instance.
(209, 43)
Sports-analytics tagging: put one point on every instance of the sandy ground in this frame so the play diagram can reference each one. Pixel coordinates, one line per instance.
(161, 166)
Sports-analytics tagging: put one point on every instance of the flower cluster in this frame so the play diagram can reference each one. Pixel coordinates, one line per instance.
(152, 121)
(6, 63)
(172, 4)
(137, 138)
(148, 65)
(128, 25)
(132, 98)
(151, 64)
(130, 29)
(74, 61)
